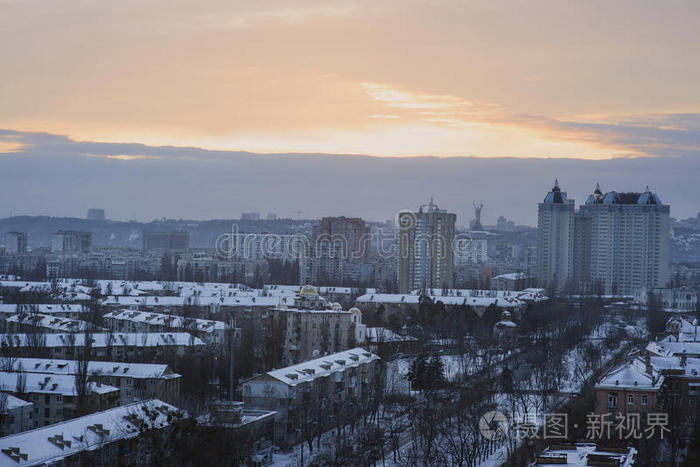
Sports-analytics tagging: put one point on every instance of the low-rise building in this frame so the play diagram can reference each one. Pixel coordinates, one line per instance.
(16, 415)
(211, 331)
(55, 397)
(682, 299)
(61, 310)
(585, 454)
(511, 281)
(632, 386)
(32, 322)
(329, 384)
(112, 346)
(479, 300)
(107, 438)
(136, 381)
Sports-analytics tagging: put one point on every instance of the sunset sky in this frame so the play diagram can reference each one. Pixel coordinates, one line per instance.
(152, 86)
(485, 78)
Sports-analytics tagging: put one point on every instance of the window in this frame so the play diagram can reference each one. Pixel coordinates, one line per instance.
(612, 400)
(47, 413)
(47, 399)
(645, 399)
(630, 398)
(691, 402)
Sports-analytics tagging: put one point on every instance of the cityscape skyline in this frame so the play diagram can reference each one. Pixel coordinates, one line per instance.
(349, 232)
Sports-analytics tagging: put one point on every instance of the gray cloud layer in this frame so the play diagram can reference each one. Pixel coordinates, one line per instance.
(54, 175)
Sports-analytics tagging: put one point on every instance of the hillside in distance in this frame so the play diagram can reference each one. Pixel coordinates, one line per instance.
(127, 234)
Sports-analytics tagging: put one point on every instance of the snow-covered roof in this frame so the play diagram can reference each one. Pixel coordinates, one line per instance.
(505, 324)
(670, 345)
(47, 383)
(43, 308)
(156, 301)
(409, 299)
(324, 366)
(512, 276)
(53, 323)
(100, 339)
(171, 321)
(655, 349)
(689, 368)
(52, 443)
(578, 457)
(630, 375)
(12, 402)
(295, 289)
(67, 289)
(687, 331)
(70, 367)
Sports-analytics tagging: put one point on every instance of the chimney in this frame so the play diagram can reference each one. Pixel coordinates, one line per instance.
(684, 359)
(647, 364)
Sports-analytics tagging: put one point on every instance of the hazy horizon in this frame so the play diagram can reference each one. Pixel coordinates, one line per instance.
(53, 175)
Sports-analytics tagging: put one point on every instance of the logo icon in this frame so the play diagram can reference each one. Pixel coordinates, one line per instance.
(493, 425)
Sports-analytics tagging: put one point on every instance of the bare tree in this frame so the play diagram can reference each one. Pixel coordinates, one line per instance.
(83, 356)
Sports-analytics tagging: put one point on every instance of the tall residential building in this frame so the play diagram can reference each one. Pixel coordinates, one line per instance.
(16, 242)
(471, 251)
(616, 243)
(71, 241)
(339, 248)
(262, 246)
(165, 240)
(628, 241)
(426, 253)
(555, 225)
(348, 234)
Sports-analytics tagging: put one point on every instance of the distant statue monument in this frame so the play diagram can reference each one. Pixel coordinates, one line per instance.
(475, 224)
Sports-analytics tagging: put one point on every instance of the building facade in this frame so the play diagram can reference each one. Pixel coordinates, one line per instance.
(175, 241)
(136, 381)
(315, 327)
(615, 244)
(426, 250)
(71, 241)
(327, 390)
(555, 225)
(629, 241)
(16, 242)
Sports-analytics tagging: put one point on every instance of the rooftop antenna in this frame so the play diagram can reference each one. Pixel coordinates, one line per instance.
(299, 213)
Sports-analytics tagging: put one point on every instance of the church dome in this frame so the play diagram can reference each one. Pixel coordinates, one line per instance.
(309, 291)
